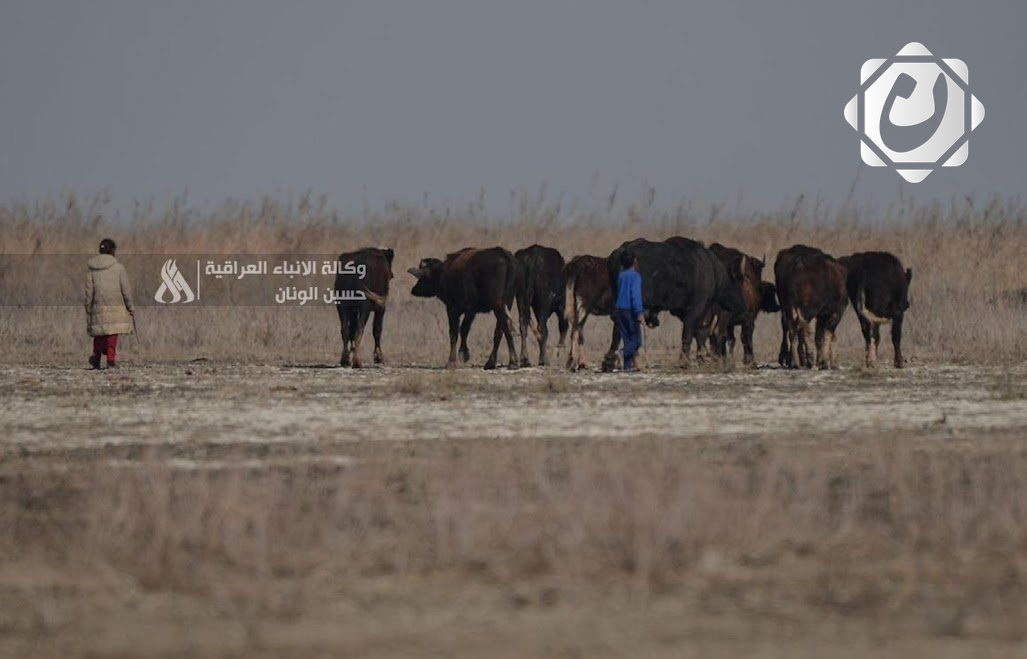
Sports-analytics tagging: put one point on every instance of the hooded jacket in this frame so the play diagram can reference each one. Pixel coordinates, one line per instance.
(108, 297)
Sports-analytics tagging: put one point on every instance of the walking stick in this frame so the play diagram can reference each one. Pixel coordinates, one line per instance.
(645, 352)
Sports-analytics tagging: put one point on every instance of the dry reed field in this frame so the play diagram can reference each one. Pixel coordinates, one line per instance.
(230, 493)
(965, 257)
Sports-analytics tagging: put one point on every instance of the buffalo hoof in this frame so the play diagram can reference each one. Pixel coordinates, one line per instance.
(524, 362)
(356, 363)
(451, 364)
(513, 366)
(378, 359)
(490, 365)
(900, 363)
(465, 355)
(344, 361)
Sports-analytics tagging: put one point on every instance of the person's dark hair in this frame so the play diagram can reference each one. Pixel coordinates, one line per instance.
(627, 259)
(108, 246)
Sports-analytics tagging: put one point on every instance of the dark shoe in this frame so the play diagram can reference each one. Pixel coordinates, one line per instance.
(113, 365)
(94, 363)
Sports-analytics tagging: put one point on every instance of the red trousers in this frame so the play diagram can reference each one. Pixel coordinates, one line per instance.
(106, 345)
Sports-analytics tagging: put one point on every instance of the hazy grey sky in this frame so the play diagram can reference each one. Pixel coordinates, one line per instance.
(397, 99)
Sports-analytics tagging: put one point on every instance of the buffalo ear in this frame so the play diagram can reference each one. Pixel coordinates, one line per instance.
(909, 275)
(389, 253)
(417, 272)
(768, 297)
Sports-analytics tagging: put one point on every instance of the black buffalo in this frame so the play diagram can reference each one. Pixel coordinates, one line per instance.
(878, 288)
(588, 292)
(365, 272)
(541, 295)
(470, 282)
(758, 295)
(810, 286)
(683, 277)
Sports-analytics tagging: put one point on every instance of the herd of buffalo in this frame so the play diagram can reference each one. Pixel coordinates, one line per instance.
(711, 290)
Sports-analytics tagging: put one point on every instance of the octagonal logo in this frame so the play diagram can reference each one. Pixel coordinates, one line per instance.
(914, 112)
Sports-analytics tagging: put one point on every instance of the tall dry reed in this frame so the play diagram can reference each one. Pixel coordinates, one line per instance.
(965, 256)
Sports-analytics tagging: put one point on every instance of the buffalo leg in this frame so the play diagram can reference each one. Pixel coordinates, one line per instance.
(610, 358)
(572, 350)
(576, 348)
(496, 337)
(794, 355)
(345, 331)
(465, 329)
(543, 337)
(823, 345)
(877, 340)
(692, 326)
(361, 317)
(524, 322)
(376, 331)
(685, 358)
(564, 325)
(784, 354)
(508, 331)
(830, 325)
(454, 330)
(705, 336)
(748, 327)
(502, 329)
(582, 362)
(896, 341)
(868, 338)
(806, 350)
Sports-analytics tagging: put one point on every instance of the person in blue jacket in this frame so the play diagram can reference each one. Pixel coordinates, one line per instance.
(628, 312)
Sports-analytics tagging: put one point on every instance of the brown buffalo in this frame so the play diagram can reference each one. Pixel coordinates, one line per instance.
(370, 274)
(810, 286)
(587, 292)
(879, 291)
(757, 294)
(470, 282)
(541, 295)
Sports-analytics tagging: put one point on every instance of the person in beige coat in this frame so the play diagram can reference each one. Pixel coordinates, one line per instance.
(109, 309)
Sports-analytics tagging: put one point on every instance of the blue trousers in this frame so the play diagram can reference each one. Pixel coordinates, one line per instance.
(630, 332)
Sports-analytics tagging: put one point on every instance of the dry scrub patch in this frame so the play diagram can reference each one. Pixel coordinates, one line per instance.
(219, 509)
(736, 545)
